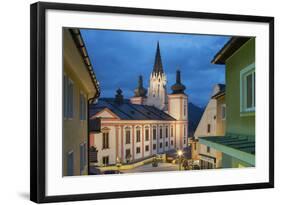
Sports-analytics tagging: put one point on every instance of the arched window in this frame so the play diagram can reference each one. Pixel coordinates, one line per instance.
(128, 135)
(146, 133)
(138, 134)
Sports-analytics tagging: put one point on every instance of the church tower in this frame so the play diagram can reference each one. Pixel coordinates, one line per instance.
(178, 109)
(140, 93)
(157, 92)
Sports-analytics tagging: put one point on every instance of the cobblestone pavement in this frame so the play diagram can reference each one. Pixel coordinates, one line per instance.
(150, 168)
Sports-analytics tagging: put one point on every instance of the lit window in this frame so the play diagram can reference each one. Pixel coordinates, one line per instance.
(247, 89)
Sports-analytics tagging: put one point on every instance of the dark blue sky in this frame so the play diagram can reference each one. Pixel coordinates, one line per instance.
(119, 57)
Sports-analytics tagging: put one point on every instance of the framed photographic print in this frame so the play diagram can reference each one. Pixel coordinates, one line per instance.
(129, 102)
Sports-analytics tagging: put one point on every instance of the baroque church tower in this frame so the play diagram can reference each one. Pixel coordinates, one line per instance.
(157, 92)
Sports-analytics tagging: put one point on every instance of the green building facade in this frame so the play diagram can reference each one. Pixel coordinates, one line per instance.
(238, 144)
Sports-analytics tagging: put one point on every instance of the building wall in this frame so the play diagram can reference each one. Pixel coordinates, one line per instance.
(75, 131)
(220, 124)
(231, 162)
(178, 109)
(235, 123)
(208, 117)
(117, 139)
(212, 116)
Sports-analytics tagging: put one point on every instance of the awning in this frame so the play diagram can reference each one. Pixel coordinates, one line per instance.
(240, 147)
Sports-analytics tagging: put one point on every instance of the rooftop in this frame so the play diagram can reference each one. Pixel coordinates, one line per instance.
(229, 48)
(128, 111)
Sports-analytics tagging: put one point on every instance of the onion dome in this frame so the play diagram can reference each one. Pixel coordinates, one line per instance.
(140, 91)
(178, 87)
(119, 96)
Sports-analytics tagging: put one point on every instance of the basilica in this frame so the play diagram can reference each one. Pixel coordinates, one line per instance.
(151, 122)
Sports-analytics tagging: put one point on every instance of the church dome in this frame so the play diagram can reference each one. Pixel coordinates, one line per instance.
(178, 87)
(140, 91)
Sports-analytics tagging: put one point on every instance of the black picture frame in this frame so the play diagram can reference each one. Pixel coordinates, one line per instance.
(38, 100)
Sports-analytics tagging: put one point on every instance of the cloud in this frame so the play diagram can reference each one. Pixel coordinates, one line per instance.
(119, 57)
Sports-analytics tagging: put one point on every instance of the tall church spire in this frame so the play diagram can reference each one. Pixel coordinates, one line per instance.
(158, 68)
(157, 93)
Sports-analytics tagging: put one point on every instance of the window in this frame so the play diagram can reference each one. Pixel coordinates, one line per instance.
(172, 131)
(146, 148)
(128, 137)
(83, 106)
(208, 149)
(154, 146)
(105, 160)
(105, 140)
(160, 132)
(160, 145)
(209, 128)
(146, 134)
(68, 97)
(184, 109)
(172, 142)
(247, 89)
(195, 146)
(184, 140)
(167, 144)
(166, 131)
(184, 130)
(70, 163)
(154, 133)
(138, 150)
(223, 113)
(138, 135)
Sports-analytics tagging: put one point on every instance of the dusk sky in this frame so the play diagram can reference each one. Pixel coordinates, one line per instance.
(119, 57)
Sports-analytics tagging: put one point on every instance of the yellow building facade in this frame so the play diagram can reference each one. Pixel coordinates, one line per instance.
(79, 87)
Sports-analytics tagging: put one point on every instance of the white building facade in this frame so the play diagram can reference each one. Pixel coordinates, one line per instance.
(143, 126)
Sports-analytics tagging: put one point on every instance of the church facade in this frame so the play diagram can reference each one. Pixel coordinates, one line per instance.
(151, 122)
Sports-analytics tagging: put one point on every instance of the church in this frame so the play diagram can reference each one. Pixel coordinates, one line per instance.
(150, 122)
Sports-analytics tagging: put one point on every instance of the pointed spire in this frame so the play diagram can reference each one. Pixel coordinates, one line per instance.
(140, 91)
(178, 87)
(158, 68)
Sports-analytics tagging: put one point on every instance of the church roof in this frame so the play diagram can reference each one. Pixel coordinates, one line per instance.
(158, 67)
(129, 111)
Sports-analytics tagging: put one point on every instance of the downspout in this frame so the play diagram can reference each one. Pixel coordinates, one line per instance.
(90, 101)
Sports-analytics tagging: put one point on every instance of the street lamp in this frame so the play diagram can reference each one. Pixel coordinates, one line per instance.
(118, 164)
(180, 154)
